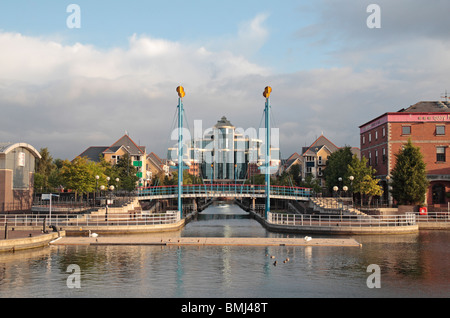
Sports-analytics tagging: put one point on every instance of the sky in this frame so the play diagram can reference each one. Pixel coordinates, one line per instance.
(67, 88)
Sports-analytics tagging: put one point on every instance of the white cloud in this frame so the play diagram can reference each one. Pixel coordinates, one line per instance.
(49, 90)
(250, 38)
(69, 97)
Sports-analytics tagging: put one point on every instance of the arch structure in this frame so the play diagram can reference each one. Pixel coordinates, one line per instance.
(17, 167)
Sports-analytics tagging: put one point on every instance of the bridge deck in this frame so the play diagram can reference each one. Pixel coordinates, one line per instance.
(203, 241)
(227, 190)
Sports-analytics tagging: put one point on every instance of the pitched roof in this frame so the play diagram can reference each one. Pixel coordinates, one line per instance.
(427, 107)
(93, 153)
(223, 122)
(155, 158)
(318, 144)
(155, 161)
(127, 143)
(292, 159)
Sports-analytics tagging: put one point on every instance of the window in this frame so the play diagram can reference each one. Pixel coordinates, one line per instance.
(363, 139)
(384, 155)
(376, 157)
(384, 131)
(440, 130)
(370, 137)
(376, 135)
(406, 130)
(440, 154)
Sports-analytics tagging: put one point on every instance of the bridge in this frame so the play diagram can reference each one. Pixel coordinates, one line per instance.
(224, 191)
(267, 191)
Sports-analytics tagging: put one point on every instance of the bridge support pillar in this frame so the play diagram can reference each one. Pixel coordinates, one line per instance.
(266, 94)
(181, 94)
(195, 205)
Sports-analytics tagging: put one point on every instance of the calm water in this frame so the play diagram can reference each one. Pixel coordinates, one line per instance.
(411, 266)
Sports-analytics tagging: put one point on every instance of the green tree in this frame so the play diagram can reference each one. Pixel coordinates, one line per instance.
(369, 186)
(54, 179)
(126, 172)
(187, 178)
(44, 168)
(409, 177)
(256, 179)
(363, 182)
(295, 174)
(285, 179)
(292, 177)
(78, 175)
(337, 167)
(311, 183)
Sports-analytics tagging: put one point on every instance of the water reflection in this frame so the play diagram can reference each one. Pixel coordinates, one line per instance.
(414, 265)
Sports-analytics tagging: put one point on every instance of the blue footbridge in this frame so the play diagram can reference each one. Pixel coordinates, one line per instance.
(237, 191)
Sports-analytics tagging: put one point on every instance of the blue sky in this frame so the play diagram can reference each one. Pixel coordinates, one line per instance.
(109, 24)
(68, 89)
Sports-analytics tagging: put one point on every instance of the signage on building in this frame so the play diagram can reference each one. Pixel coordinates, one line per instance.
(21, 159)
(405, 117)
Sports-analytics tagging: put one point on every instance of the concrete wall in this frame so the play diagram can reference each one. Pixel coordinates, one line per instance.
(28, 242)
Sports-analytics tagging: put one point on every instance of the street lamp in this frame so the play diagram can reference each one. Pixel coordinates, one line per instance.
(389, 188)
(351, 187)
(335, 189)
(111, 187)
(117, 185)
(96, 187)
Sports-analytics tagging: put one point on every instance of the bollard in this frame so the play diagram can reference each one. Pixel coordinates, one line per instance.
(43, 224)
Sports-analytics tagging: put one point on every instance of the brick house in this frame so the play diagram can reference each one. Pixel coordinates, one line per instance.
(427, 124)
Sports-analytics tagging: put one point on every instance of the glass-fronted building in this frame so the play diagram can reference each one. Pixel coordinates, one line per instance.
(223, 153)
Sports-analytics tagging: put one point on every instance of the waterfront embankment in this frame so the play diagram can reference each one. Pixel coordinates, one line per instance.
(23, 240)
(204, 241)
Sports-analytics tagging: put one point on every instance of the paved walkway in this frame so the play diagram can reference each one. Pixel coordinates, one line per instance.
(202, 241)
(18, 234)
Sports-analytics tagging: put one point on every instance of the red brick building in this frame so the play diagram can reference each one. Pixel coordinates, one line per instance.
(427, 124)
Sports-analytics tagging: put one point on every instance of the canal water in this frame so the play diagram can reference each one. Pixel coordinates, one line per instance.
(416, 265)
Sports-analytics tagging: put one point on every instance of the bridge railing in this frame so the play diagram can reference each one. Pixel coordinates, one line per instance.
(341, 220)
(206, 189)
(63, 220)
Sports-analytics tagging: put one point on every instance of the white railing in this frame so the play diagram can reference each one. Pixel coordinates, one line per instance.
(19, 220)
(338, 220)
(433, 217)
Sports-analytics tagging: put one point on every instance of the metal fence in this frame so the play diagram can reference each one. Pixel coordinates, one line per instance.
(206, 189)
(19, 220)
(344, 220)
(433, 217)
